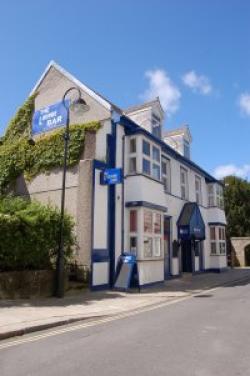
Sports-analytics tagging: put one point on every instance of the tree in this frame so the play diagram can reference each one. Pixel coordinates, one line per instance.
(237, 206)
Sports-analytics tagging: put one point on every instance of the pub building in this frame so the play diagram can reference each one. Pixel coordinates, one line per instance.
(135, 189)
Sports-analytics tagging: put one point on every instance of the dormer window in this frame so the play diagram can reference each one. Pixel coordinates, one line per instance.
(156, 126)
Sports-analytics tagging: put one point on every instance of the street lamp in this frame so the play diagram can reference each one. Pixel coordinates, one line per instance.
(79, 106)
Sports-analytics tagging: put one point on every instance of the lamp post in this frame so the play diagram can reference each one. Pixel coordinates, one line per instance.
(77, 105)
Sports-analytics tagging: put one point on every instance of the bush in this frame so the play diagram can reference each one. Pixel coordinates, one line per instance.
(29, 235)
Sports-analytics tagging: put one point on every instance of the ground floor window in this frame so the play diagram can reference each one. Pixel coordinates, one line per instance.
(217, 240)
(145, 233)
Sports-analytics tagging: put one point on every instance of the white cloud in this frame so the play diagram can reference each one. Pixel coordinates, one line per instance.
(160, 85)
(199, 84)
(244, 103)
(231, 169)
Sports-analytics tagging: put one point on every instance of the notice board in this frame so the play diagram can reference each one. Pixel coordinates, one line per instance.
(126, 270)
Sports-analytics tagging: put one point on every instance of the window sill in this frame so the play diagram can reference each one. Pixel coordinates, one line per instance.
(146, 176)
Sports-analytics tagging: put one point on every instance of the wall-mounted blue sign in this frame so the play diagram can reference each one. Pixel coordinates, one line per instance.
(49, 117)
(111, 176)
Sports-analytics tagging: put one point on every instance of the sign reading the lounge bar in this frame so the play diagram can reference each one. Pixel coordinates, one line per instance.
(49, 117)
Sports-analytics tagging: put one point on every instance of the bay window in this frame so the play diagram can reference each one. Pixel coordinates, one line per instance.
(133, 228)
(217, 240)
(132, 161)
(152, 237)
(145, 233)
(151, 160)
(215, 195)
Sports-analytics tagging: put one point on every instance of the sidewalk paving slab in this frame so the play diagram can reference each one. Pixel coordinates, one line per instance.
(18, 317)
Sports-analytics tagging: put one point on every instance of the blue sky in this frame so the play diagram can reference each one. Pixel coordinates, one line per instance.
(194, 54)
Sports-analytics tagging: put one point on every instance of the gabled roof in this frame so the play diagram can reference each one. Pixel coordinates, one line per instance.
(92, 93)
(133, 128)
(145, 105)
(179, 131)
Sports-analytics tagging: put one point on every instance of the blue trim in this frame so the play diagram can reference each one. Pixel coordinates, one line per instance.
(217, 270)
(145, 204)
(99, 165)
(100, 287)
(216, 224)
(152, 284)
(111, 157)
(132, 128)
(100, 255)
(174, 276)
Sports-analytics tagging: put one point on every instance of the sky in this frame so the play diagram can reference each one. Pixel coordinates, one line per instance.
(193, 54)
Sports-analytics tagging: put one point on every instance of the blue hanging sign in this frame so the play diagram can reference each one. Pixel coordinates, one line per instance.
(50, 117)
(111, 176)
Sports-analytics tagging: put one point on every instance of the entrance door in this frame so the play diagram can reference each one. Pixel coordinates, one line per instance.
(167, 235)
(186, 251)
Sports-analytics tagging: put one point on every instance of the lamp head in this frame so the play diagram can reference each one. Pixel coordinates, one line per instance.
(79, 106)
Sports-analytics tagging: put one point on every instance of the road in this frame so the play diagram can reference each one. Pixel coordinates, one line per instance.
(206, 335)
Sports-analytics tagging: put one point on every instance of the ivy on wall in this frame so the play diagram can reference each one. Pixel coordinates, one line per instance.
(18, 157)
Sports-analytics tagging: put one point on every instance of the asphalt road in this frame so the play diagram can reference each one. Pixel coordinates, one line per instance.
(202, 336)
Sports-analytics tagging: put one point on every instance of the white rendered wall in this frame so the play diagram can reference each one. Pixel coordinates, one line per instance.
(100, 214)
(100, 273)
(150, 272)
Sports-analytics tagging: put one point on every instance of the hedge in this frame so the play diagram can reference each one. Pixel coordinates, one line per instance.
(29, 235)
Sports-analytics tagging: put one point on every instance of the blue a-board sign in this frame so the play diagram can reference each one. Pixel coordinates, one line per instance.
(111, 176)
(127, 273)
(50, 117)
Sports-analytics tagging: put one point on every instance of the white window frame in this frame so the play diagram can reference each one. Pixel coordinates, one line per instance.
(166, 176)
(151, 236)
(133, 234)
(151, 160)
(132, 156)
(184, 184)
(215, 195)
(198, 193)
(219, 241)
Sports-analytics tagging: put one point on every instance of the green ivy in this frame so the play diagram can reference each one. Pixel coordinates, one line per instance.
(20, 125)
(18, 157)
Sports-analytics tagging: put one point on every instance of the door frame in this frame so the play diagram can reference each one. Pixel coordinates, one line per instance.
(167, 271)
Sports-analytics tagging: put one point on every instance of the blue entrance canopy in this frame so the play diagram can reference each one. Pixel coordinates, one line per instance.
(190, 223)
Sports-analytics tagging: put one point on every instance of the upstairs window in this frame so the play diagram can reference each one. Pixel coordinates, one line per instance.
(184, 183)
(132, 161)
(146, 148)
(198, 189)
(151, 160)
(166, 174)
(215, 195)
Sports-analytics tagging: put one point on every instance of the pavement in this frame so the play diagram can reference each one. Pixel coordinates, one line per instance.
(18, 317)
(202, 335)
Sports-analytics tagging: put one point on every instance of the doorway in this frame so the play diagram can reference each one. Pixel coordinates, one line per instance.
(167, 242)
(247, 255)
(186, 255)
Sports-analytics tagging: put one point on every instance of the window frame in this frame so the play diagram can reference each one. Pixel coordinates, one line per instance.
(199, 190)
(185, 184)
(167, 175)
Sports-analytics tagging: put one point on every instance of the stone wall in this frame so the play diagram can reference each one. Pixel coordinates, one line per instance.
(26, 284)
(238, 250)
(46, 188)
